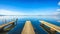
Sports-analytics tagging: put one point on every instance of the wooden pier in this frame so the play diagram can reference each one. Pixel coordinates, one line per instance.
(4, 25)
(28, 28)
(7, 24)
(53, 28)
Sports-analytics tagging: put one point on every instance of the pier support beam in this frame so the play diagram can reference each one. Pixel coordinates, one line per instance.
(52, 31)
(1, 29)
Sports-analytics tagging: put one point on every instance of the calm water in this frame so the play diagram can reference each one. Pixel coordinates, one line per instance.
(35, 22)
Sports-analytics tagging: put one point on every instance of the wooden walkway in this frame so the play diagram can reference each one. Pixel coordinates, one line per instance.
(28, 28)
(56, 28)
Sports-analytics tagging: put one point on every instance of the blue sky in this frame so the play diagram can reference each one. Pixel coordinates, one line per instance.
(28, 7)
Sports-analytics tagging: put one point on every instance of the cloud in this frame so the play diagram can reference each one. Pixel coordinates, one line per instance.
(58, 9)
(36, 12)
(58, 3)
(56, 13)
(6, 12)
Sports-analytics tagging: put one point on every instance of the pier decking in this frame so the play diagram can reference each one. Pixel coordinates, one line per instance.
(28, 28)
(52, 26)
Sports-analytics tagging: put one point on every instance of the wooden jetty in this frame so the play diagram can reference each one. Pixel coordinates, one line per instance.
(4, 25)
(28, 28)
(53, 28)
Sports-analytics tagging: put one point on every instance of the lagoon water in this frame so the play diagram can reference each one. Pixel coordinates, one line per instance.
(35, 22)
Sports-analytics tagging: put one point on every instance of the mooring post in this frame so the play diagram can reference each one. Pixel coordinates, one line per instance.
(16, 21)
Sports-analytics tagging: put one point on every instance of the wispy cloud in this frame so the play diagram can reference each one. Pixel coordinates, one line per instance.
(7, 12)
(59, 3)
(58, 9)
